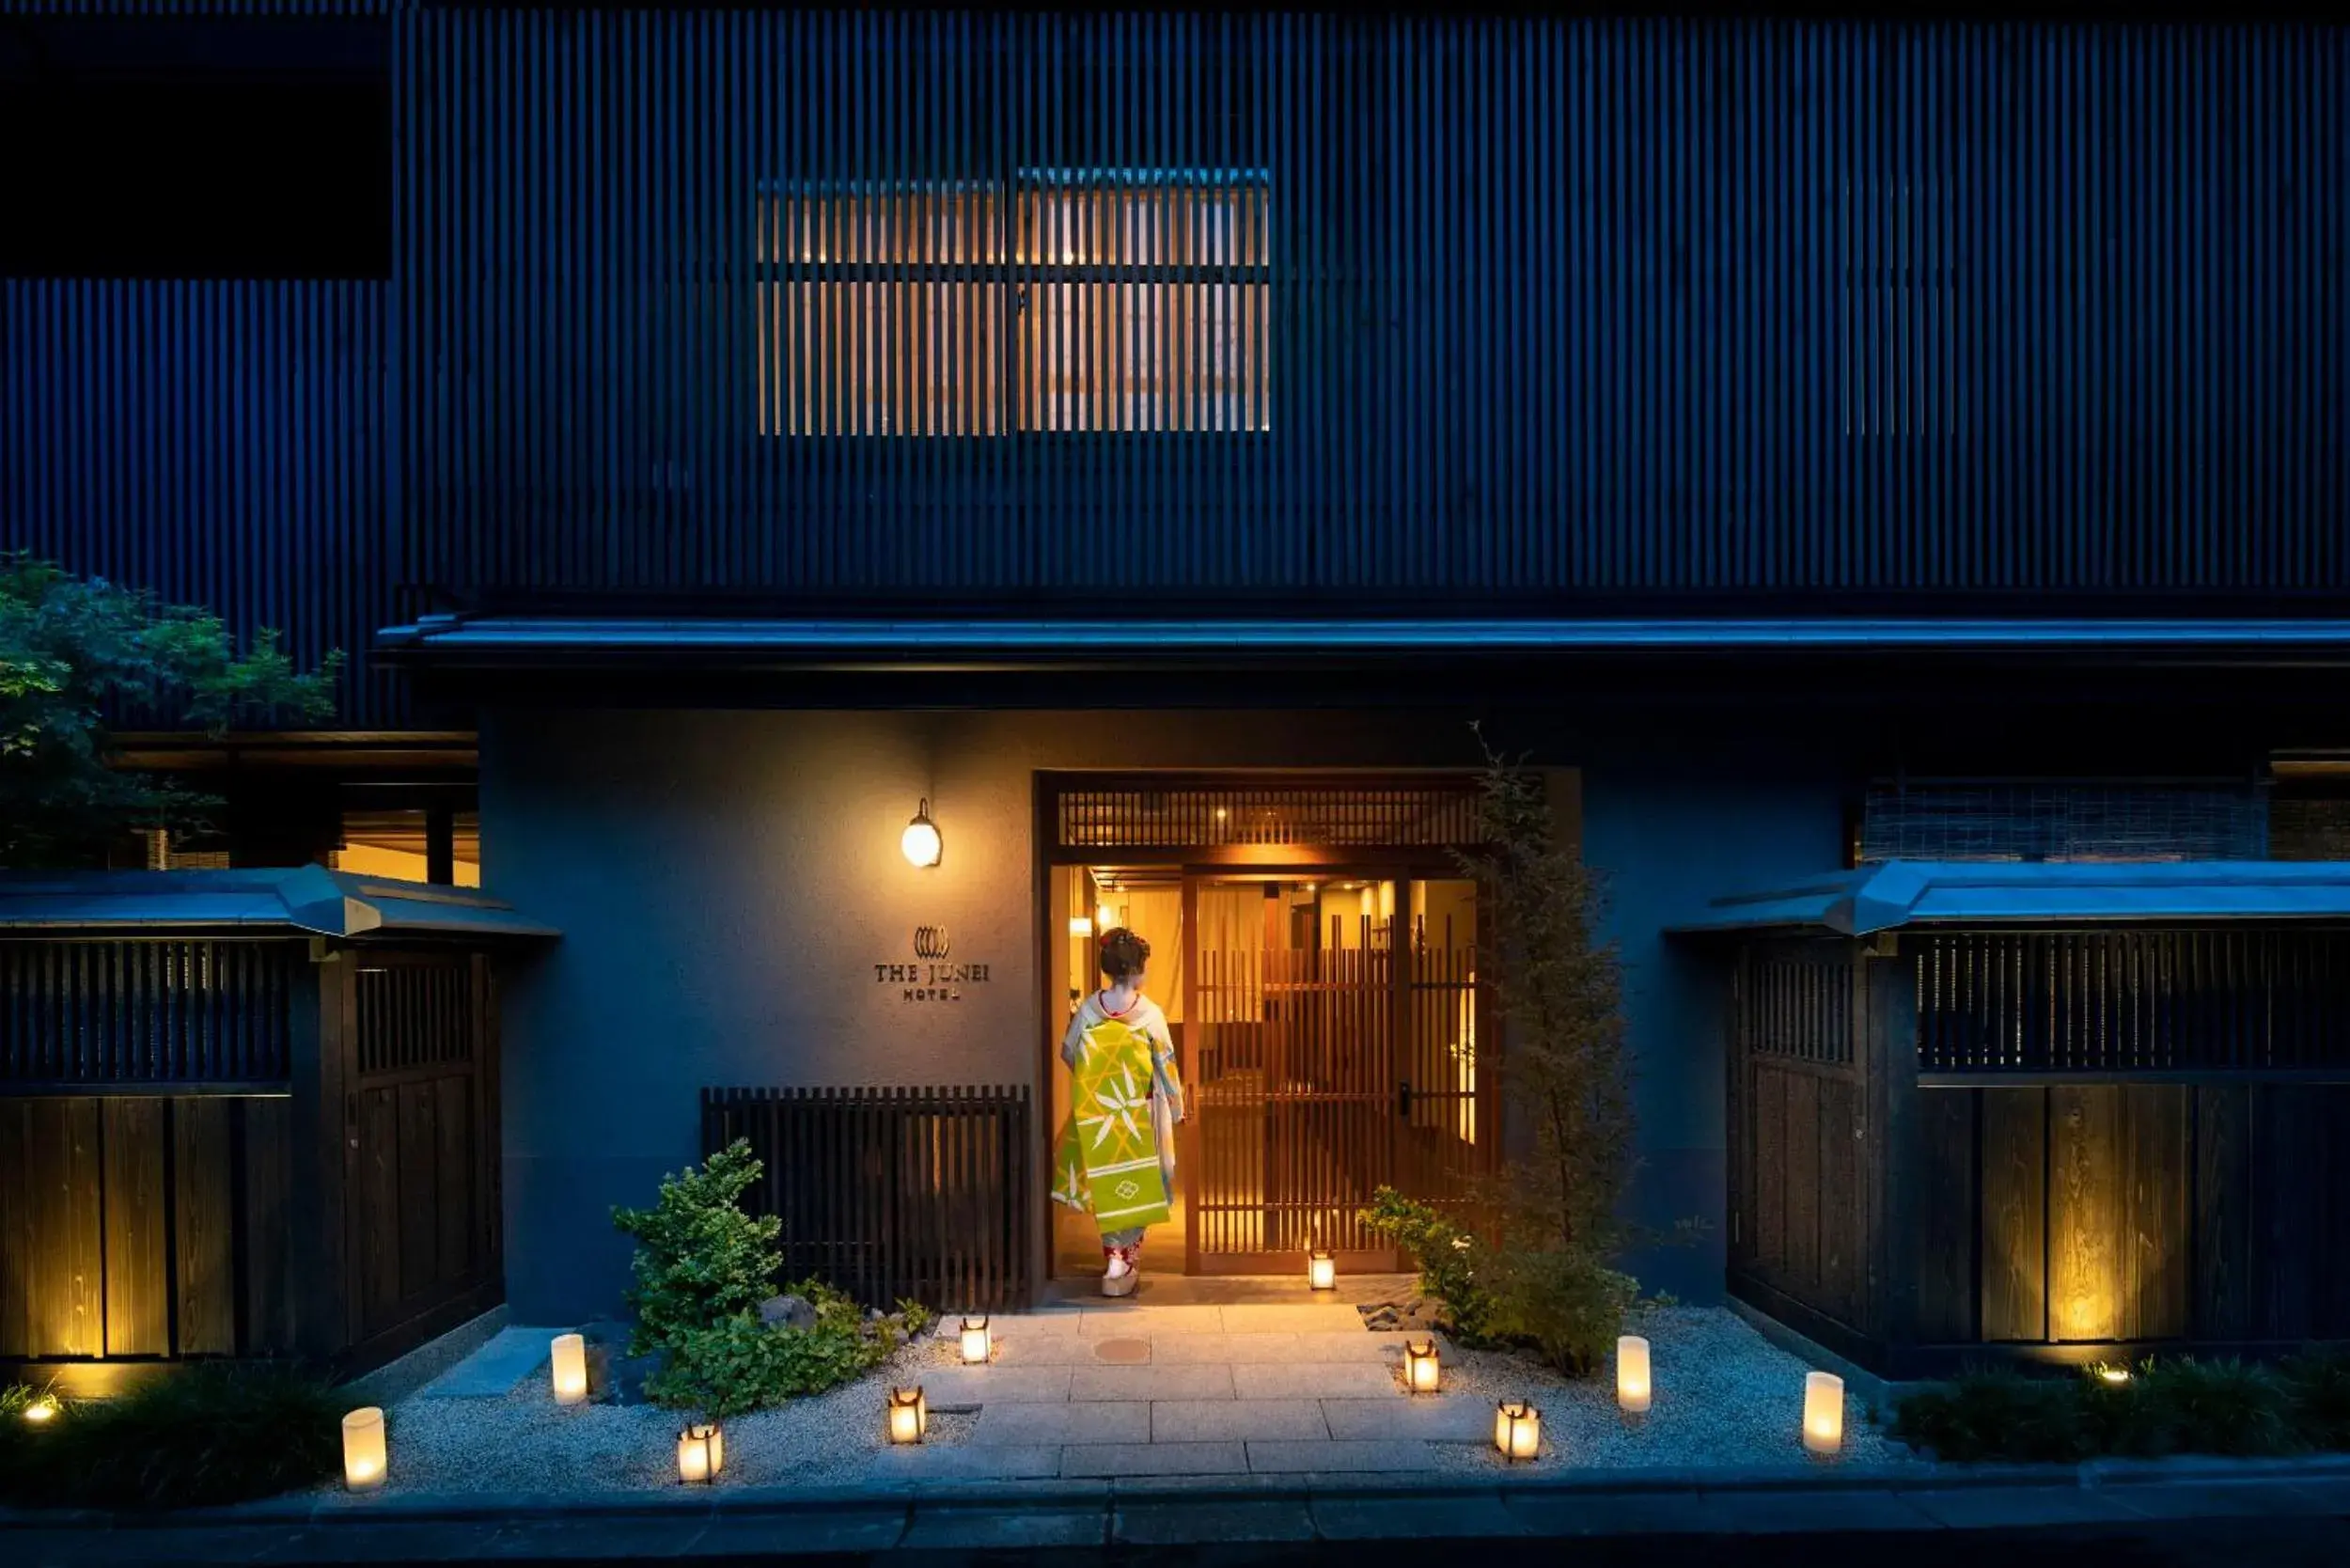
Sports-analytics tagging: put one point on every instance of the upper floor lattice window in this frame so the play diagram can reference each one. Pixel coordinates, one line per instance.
(1061, 301)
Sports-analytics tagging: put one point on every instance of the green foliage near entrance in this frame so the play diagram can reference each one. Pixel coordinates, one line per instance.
(70, 647)
(703, 1266)
(1549, 1284)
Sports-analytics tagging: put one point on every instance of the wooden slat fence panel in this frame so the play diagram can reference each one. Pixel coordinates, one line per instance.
(2133, 1002)
(142, 1227)
(146, 1012)
(891, 1193)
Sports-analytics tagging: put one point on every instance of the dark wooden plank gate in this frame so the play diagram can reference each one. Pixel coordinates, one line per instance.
(891, 1193)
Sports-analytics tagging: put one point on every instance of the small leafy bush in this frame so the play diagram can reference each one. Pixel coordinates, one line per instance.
(703, 1267)
(1559, 1302)
(203, 1434)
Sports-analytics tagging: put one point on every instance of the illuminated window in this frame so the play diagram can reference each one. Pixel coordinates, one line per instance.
(1063, 302)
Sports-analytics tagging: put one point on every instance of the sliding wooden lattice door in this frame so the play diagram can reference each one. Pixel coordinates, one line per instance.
(1330, 1055)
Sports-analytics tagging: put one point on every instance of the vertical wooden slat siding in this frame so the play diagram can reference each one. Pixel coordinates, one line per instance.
(150, 1156)
(1519, 308)
(145, 1012)
(891, 1193)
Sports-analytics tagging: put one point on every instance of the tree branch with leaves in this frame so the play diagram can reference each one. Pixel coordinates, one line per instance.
(72, 649)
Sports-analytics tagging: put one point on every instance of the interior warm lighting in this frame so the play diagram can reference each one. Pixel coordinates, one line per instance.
(1823, 1412)
(1322, 1270)
(909, 1415)
(1081, 925)
(568, 1365)
(364, 1460)
(1632, 1374)
(42, 1410)
(1517, 1429)
(1106, 918)
(1420, 1372)
(701, 1453)
(920, 842)
(976, 1342)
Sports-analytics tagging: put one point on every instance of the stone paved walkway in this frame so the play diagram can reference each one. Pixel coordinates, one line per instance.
(1122, 1391)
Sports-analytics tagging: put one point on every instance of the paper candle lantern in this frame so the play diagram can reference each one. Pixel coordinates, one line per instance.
(568, 1362)
(1322, 1270)
(976, 1342)
(364, 1462)
(909, 1415)
(1632, 1374)
(1823, 1412)
(1420, 1366)
(1517, 1429)
(701, 1453)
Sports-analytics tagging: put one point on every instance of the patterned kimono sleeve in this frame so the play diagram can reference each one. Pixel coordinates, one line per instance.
(1164, 1082)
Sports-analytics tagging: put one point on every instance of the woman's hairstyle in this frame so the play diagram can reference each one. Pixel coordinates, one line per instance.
(1123, 953)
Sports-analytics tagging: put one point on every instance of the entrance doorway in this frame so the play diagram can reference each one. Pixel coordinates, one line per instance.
(1324, 1003)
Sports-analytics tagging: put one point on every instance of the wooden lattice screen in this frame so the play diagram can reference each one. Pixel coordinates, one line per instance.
(2124, 1001)
(891, 1193)
(1433, 815)
(146, 1012)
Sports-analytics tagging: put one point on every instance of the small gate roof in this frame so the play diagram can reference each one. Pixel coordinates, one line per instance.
(1899, 893)
(295, 900)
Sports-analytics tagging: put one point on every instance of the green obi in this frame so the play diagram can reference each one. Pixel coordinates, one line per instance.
(1108, 1158)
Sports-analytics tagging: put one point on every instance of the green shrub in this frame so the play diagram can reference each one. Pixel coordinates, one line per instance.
(2317, 1384)
(1565, 1307)
(699, 1258)
(2218, 1406)
(1562, 1305)
(1994, 1414)
(203, 1434)
(1453, 1264)
(740, 1364)
(703, 1268)
(2180, 1406)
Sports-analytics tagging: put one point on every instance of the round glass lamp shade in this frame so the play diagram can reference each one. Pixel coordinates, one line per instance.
(920, 842)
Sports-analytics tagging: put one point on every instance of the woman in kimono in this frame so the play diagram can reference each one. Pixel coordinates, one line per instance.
(1108, 1018)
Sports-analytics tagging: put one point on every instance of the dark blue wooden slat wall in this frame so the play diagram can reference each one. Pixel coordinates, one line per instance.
(219, 443)
(1559, 307)
(1566, 309)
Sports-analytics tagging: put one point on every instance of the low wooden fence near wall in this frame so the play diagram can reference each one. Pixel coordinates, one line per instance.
(892, 1193)
(2050, 1145)
(232, 1148)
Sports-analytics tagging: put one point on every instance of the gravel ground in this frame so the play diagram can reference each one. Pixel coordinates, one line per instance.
(526, 1442)
(1724, 1395)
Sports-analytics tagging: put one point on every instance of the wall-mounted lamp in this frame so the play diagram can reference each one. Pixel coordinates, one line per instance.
(1081, 925)
(920, 840)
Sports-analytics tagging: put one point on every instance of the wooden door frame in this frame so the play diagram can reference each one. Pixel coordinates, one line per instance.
(1399, 863)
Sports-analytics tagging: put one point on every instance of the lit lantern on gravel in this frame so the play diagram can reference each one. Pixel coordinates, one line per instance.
(1517, 1429)
(364, 1460)
(1322, 1270)
(976, 1342)
(567, 1360)
(909, 1415)
(701, 1453)
(1420, 1371)
(1823, 1412)
(1633, 1389)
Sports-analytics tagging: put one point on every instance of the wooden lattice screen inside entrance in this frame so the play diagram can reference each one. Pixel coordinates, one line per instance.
(1421, 815)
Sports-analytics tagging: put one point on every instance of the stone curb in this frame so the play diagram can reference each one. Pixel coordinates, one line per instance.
(909, 1499)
